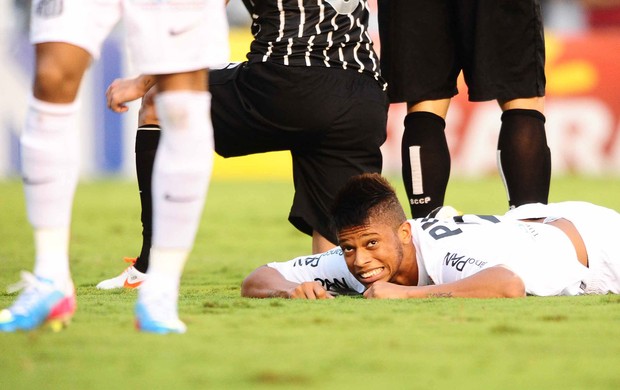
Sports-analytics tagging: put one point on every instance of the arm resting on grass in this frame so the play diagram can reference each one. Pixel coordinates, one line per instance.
(493, 282)
(266, 282)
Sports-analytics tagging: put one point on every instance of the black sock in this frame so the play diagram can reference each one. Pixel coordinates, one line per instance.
(432, 170)
(147, 139)
(525, 159)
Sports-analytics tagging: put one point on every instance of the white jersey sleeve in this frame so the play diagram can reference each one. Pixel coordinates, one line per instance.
(542, 255)
(329, 268)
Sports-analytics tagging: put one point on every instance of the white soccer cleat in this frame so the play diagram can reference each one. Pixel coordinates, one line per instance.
(129, 278)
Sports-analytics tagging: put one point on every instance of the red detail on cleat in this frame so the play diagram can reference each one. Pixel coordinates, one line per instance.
(64, 309)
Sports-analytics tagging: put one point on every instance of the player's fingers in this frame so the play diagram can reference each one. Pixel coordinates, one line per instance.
(122, 91)
(108, 95)
(116, 106)
(303, 291)
(113, 101)
(310, 290)
(110, 91)
(369, 293)
(121, 108)
(320, 292)
(112, 86)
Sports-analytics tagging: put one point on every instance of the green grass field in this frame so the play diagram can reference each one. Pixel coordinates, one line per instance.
(348, 343)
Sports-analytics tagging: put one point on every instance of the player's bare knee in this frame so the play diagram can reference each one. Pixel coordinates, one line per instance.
(54, 84)
(534, 103)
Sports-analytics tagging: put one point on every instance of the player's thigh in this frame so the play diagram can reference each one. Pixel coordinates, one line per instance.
(352, 146)
(359, 129)
(508, 51)
(262, 107)
(239, 127)
(318, 176)
(418, 49)
(176, 35)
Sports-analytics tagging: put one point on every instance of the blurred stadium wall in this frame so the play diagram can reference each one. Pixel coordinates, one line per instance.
(582, 109)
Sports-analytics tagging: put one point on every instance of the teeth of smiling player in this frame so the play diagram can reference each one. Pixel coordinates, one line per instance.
(369, 274)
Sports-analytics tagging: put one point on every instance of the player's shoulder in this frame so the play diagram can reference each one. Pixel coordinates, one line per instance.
(332, 258)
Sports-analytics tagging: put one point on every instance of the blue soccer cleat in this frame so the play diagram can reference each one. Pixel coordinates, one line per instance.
(158, 316)
(40, 302)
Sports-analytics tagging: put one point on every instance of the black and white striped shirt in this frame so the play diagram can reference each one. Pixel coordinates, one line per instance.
(327, 33)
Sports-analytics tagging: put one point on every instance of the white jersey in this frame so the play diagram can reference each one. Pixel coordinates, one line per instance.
(453, 249)
(542, 255)
(329, 268)
(163, 36)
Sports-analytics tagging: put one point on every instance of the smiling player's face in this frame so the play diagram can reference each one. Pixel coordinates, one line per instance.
(372, 252)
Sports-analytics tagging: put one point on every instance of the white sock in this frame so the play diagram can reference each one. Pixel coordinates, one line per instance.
(165, 270)
(182, 168)
(52, 255)
(49, 146)
(181, 176)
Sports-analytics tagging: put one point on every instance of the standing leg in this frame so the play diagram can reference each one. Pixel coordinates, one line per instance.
(181, 175)
(50, 159)
(182, 167)
(147, 139)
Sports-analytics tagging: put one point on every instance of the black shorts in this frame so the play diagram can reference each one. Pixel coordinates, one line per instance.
(332, 120)
(499, 45)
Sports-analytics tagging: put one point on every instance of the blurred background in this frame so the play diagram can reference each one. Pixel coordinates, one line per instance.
(582, 107)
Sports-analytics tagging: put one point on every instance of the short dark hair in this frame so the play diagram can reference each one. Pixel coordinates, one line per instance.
(365, 197)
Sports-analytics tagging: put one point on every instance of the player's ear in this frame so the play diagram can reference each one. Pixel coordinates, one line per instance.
(404, 233)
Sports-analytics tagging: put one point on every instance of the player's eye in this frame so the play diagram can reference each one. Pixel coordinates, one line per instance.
(372, 243)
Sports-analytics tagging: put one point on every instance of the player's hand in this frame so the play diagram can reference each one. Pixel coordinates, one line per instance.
(122, 91)
(385, 290)
(310, 290)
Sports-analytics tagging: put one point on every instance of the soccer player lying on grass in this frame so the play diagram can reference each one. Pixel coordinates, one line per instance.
(567, 248)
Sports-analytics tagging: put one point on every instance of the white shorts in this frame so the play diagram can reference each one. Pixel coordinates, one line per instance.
(164, 37)
(599, 228)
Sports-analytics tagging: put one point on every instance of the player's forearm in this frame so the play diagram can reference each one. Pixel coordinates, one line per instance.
(494, 282)
(266, 282)
(145, 82)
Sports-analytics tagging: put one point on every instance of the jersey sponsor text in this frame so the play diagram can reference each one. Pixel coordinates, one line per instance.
(337, 284)
(459, 262)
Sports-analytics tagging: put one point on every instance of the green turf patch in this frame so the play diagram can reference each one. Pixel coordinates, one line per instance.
(349, 342)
